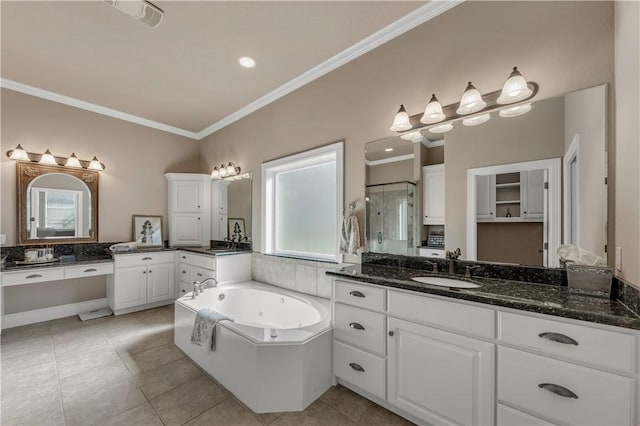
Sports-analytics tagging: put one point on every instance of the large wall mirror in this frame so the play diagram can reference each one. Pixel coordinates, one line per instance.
(509, 190)
(232, 205)
(56, 205)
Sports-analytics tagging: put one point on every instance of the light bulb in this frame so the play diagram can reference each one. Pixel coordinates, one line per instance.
(515, 110)
(515, 88)
(73, 161)
(414, 137)
(95, 165)
(443, 128)
(48, 158)
(471, 101)
(215, 173)
(401, 121)
(19, 154)
(433, 112)
(475, 120)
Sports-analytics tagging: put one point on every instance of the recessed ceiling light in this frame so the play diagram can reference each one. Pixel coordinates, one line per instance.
(388, 149)
(247, 62)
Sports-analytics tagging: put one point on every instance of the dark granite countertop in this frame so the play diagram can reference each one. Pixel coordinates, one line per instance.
(539, 298)
(83, 260)
(219, 251)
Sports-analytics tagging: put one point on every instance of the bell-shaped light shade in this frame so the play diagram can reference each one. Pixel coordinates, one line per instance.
(477, 119)
(232, 169)
(215, 173)
(414, 137)
(48, 158)
(401, 121)
(443, 128)
(73, 161)
(223, 171)
(95, 165)
(433, 112)
(515, 89)
(515, 110)
(471, 101)
(19, 154)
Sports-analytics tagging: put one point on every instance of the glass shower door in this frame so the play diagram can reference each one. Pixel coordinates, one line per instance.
(391, 212)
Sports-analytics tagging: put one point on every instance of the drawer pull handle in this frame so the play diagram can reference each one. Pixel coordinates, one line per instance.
(91, 270)
(356, 293)
(558, 390)
(198, 274)
(184, 272)
(356, 326)
(559, 338)
(356, 367)
(391, 333)
(184, 291)
(184, 257)
(147, 258)
(34, 276)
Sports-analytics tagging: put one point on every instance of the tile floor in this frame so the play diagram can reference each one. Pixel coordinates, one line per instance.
(125, 370)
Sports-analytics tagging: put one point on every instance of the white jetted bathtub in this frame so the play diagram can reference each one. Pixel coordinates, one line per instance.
(275, 356)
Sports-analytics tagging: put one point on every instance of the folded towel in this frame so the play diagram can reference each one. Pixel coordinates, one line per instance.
(204, 328)
(350, 235)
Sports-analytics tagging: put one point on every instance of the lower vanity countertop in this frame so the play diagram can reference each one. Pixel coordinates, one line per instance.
(539, 298)
(79, 260)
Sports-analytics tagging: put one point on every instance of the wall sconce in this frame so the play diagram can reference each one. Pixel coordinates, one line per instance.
(47, 158)
(473, 108)
(225, 171)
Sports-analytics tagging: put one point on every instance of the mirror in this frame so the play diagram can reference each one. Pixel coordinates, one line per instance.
(233, 215)
(56, 205)
(510, 190)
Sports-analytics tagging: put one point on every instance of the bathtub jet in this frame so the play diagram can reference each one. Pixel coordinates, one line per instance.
(274, 356)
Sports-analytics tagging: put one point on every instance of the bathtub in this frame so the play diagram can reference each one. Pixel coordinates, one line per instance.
(275, 356)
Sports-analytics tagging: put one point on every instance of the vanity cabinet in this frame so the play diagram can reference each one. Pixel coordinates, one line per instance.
(433, 194)
(511, 197)
(486, 197)
(141, 281)
(189, 209)
(194, 267)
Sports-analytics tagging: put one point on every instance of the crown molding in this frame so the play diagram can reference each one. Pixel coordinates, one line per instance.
(390, 160)
(399, 27)
(88, 106)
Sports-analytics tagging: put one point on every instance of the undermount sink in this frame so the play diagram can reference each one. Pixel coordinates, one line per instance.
(445, 282)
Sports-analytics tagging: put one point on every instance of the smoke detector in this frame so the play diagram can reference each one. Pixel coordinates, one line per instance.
(141, 10)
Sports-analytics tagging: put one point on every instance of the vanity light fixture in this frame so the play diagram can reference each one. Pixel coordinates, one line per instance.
(401, 121)
(414, 137)
(225, 171)
(471, 101)
(95, 165)
(215, 173)
(515, 89)
(476, 119)
(19, 154)
(140, 10)
(442, 128)
(515, 110)
(433, 111)
(48, 159)
(73, 161)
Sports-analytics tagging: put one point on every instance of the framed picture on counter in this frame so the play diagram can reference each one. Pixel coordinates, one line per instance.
(235, 229)
(147, 230)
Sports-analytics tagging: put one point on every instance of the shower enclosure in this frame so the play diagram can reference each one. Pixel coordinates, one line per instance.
(391, 218)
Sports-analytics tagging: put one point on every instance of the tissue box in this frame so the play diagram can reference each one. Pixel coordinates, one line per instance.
(592, 280)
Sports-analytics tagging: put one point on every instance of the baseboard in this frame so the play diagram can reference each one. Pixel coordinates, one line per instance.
(54, 312)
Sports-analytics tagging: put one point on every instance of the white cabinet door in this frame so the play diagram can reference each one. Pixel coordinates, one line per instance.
(433, 194)
(130, 287)
(160, 282)
(187, 196)
(186, 229)
(486, 197)
(441, 377)
(532, 194)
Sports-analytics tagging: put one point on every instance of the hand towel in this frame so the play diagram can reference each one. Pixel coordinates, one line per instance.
(350, 235)
(204, 328)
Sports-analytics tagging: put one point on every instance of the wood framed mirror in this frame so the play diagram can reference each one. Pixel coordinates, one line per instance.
(56, 205)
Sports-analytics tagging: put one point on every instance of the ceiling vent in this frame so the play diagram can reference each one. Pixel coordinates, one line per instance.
(140, 10)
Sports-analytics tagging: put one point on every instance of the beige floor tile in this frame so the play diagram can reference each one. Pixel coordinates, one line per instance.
(26, 360)
(20, 377)
(93, 380)
(143, 341)
(142, 415)
(26, 346)
(346, 401)
(122, 326)
(73, 347)
(228, 412)
(188, 401)
(36, 406)
(379, 416)
(73, 322)
(87, 361)
(162, 379)
(154, 358)
(262, 418)
(319, 413)
(31, 330)
(63, 335)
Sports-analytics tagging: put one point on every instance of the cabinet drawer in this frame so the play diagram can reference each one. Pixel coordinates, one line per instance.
(360, 295)
(184, 256)
(361, 328)
(207, 262)
(602, 348)
(564, 392)
(141, 259)
(199, 274)
(427, 252)
(184, 272)
(184, 288)
(32, 276)
(507, 416)
(88, 270)
(360, 368)
(451, 315)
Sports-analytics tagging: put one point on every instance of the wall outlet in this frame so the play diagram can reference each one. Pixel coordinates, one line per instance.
(619, 259)
(3, 239)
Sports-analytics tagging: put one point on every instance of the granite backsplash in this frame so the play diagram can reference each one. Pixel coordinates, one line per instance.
(80, 250)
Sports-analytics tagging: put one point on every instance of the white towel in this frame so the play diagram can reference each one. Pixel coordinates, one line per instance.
(204, 328)
(350, 235)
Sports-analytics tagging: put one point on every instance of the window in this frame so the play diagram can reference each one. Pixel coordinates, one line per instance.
(302, 204)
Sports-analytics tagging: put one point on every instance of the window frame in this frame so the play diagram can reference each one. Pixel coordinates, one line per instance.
(290, 163)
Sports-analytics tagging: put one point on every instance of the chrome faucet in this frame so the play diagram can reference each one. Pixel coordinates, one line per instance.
(469, 269)
(452, 257)
(199, 286)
